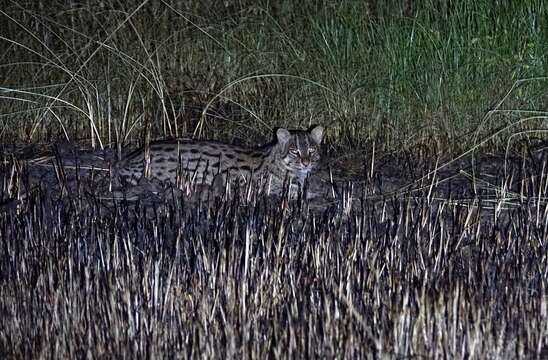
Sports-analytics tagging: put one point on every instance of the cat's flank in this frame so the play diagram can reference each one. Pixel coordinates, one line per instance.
(291, 157)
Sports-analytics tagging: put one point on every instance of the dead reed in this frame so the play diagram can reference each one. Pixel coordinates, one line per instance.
(402, 276)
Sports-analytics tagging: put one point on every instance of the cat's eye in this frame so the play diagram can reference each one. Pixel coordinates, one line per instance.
(312, 151)
(294, 151)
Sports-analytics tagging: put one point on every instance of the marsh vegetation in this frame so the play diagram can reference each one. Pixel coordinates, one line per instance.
(433, 242)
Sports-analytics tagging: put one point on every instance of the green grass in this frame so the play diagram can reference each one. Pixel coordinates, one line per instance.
(103, 71)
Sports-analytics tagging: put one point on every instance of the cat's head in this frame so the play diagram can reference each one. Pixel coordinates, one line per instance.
(300, 149)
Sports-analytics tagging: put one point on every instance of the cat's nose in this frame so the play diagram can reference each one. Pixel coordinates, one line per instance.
(305, 161)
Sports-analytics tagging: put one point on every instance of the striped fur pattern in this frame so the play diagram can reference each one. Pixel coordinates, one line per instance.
(292, 156)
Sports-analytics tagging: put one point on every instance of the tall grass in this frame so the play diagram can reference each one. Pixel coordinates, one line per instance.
(104, 71)
(401, 277)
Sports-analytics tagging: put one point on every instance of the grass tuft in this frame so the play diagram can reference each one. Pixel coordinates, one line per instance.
(106, 72)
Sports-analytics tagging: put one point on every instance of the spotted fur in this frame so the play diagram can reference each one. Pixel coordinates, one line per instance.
(292, 156)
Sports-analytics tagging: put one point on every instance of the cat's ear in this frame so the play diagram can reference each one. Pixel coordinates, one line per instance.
(317, 134)
(283, 135)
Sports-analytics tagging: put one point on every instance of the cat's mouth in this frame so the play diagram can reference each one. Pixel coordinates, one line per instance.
(307, 167)
(304, 167)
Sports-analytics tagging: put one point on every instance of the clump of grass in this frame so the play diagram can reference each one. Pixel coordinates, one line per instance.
(107, 72)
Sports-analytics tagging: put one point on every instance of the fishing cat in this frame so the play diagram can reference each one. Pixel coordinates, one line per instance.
(288, 160)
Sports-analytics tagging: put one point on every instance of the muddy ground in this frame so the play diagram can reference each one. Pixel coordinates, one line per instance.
(68, 171)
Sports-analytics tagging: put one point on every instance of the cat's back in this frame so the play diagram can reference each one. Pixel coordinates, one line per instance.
(173, 149)
(200, 158)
